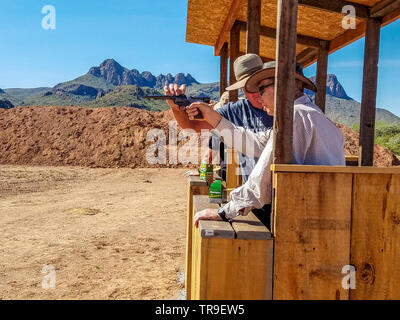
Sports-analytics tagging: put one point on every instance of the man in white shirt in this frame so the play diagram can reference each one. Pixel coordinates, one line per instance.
(316, 141)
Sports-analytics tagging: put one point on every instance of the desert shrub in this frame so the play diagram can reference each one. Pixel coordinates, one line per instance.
(386, 134)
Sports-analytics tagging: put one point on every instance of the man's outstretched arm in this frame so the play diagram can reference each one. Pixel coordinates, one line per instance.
(243, 140)
(180, 114)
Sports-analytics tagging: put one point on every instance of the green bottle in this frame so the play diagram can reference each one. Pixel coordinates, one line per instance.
(215, 192)
(203, 170)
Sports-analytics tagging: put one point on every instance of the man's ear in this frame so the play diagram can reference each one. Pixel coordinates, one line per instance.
(260, 100)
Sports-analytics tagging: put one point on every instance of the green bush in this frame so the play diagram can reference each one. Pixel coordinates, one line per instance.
(393, 144)
(386, 134)
(356, 127)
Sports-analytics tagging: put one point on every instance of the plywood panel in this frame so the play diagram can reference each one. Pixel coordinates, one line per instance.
(375, 240)
(311, 22)
(205, 19)
(235, 269)
(312, 230)
(267, 46)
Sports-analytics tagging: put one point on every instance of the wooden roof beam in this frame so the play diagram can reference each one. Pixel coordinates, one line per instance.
(336, 6)
(306, 56)
(227, 26)
(271, 33)
(383, 8)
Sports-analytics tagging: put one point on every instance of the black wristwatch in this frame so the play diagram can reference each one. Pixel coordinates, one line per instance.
(221, 213)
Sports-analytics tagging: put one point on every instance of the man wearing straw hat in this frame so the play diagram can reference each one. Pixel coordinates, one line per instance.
(316, 141)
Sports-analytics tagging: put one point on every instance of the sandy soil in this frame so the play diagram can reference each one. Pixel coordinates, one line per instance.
(109, 233)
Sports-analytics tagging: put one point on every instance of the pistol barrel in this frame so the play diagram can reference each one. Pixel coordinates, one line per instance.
(159, 97)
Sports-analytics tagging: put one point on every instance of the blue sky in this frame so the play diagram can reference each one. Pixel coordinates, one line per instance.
(146, 35)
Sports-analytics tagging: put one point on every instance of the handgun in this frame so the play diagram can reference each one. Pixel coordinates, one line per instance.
(183, 101)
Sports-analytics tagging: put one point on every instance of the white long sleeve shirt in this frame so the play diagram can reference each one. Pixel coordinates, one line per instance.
(316, 141)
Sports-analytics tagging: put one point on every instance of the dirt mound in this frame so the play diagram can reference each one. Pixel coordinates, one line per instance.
(382, 156)
(103, 137)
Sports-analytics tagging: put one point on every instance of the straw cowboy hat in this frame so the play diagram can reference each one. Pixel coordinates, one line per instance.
(244, 67)
(223, 101)
(268, 71)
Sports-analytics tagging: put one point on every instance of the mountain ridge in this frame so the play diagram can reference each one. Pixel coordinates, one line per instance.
(98, 88)
(114, 73)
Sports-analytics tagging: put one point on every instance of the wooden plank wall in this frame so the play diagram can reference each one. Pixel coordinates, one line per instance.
(231, 262)
(325, 221)
(375, 237)
(312, 235)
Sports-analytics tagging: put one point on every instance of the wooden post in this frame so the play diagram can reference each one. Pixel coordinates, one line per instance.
(368, 101)
(322, 69)
(233, 176)
(233, 54)
(223, 76)
(253, 26)
(285, 80)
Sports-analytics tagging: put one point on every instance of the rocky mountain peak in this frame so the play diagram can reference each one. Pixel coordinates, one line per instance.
(333, 87)
(114, 73)
(110, 70)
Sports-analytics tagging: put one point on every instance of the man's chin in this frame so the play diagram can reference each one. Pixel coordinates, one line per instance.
(268, 110)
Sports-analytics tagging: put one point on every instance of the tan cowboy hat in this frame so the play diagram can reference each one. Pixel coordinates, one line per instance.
(244, 67)
(268, 71)
(223, 101)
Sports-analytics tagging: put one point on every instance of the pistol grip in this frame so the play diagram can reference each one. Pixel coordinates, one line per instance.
(199, 116)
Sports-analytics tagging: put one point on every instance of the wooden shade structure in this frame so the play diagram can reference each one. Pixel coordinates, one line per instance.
(307, 31)
(209, 23)
(324, 218)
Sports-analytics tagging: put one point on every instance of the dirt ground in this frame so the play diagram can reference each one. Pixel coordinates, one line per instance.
(109, 233)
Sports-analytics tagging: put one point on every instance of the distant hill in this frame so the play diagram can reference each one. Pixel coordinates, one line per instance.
(22, 94)
(130, 96)
(209, 89)
(111, 84)
(4, 96)
(347, 112)
(98, 82)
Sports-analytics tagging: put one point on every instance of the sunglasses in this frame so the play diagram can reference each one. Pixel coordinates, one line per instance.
(262, 88)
